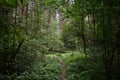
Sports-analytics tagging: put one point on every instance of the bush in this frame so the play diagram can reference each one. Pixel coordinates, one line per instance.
(49, 69)
(42, 70)
(82, 69)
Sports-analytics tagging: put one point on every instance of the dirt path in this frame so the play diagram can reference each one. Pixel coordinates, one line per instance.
(63, 68)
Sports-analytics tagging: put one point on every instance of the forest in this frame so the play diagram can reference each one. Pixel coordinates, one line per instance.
(59, 39)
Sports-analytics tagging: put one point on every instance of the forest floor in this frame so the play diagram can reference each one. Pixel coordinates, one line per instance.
(64, 59)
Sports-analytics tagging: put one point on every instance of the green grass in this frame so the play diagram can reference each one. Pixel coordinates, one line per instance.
(69, 56)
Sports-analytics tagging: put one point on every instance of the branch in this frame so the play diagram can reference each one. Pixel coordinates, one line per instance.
(57, 51)
(17, 50)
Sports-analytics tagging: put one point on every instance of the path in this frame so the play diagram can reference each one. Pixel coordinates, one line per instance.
(63, 68)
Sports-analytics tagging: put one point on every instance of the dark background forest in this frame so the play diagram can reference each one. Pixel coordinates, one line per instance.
(59, 39)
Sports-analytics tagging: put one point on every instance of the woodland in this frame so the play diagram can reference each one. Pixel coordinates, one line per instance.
(59, 39)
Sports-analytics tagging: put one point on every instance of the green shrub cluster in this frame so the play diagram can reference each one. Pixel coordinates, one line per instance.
(41, 70)
(80, 69)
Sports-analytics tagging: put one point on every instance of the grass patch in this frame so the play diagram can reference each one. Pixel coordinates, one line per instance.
(68, 57)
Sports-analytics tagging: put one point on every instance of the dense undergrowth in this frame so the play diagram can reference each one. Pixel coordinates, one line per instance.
(49, 68)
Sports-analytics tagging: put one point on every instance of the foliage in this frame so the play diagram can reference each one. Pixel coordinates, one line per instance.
(82, 69)
(42, 70)
(28, 34)
(69, 38)
(95, 24)
(23, 38)
(11, 3)
(50, 43)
